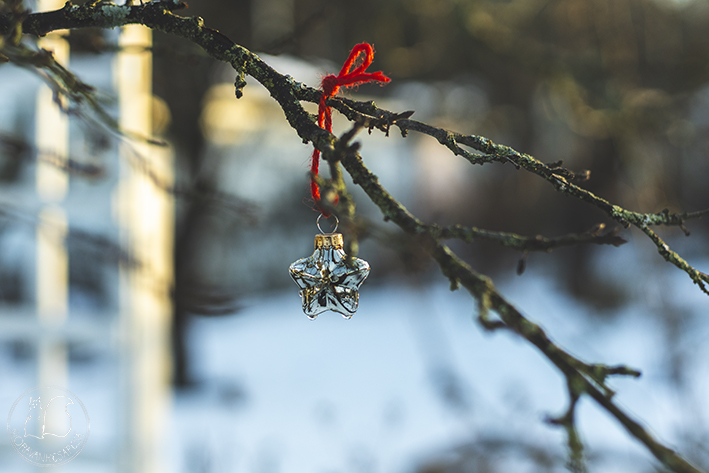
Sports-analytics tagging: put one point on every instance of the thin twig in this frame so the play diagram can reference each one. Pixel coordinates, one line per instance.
(535, 243)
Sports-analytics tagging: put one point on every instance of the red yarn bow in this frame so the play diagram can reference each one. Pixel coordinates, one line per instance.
(330, 85)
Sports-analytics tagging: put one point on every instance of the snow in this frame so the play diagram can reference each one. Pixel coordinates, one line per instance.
(331, 394)
(409, 380)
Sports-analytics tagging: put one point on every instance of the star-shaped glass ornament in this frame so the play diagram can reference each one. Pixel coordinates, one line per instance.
(328, 279)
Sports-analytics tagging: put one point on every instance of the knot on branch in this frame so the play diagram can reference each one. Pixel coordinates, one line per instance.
(329, 85)
(347, 77)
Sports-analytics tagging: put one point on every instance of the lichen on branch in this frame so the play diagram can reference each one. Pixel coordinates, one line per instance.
(582, 378)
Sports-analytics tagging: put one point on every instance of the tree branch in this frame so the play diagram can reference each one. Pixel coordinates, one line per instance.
(581, 377)
(535, 243)
(561, 178)
(481, 288)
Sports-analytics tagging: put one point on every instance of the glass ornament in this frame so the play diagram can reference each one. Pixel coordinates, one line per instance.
(328, 279)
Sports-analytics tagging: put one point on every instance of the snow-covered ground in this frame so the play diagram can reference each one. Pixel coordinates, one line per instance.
(409, 380)
(411, 376)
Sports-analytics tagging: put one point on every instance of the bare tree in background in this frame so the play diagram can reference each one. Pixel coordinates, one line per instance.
(596, 66)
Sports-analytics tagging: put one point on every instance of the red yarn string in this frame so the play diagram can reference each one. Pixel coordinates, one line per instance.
(330, 85)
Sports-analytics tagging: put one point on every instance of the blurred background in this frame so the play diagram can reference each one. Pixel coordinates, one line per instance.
(152, 282)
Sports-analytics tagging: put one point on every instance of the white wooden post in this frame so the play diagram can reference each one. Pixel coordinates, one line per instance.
(52, 278)
(145, 215)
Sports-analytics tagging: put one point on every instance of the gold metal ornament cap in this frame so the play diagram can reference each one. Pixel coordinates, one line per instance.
(329, 241)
